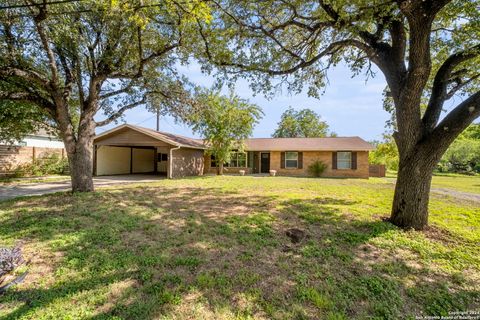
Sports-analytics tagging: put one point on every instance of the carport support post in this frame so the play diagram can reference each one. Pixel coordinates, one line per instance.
(131, 160)
(94, 159)
(170, 162)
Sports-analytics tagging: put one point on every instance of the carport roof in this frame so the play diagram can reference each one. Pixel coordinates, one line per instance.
(170, 138)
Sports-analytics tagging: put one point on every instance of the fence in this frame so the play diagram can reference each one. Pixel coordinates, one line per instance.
(377, 170)
(12, 157)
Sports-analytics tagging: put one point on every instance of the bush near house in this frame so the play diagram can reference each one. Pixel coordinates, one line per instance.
(317, 168)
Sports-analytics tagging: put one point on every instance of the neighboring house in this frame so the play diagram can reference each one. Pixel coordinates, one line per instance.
(41, 139)
(132, 149)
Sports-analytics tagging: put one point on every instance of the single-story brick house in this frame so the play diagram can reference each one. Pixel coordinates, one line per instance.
(132, 149)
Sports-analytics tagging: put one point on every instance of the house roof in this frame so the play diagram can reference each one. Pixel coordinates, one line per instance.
(170, 138)
(308, 144)
(258, 144)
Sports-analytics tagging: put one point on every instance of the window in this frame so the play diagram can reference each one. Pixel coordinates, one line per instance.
(213, 162)
(250, 159)
(291, 160)
(162, 157)
(238, 160)
(344, 160)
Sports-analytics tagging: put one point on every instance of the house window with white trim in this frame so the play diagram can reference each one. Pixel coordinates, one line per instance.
(344, 160)
(291, 160)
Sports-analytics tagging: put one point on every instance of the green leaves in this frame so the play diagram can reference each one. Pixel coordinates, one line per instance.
(301, 124)
(224, 122)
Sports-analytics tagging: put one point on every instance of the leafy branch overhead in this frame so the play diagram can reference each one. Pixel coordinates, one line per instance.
(85, 63)
(427, 50)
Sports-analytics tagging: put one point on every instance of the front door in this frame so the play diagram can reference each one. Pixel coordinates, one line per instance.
(265, 162)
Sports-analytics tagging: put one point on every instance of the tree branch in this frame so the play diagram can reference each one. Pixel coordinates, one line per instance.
(457, 120)
(439, 89)
(331, 49)
(117, 114)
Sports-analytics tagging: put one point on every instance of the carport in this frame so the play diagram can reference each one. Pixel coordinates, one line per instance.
(129, 149)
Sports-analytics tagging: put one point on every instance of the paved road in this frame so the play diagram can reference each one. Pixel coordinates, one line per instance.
(475, 197)
(33, 189)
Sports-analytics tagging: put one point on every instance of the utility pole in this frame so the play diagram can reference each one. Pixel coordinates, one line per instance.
(158, 119)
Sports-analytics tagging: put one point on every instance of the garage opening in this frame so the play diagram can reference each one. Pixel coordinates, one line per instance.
(111, 160)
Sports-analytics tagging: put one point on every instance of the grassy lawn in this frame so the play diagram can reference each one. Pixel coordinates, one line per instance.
(447, 181)
(457, 182)
(215, 248)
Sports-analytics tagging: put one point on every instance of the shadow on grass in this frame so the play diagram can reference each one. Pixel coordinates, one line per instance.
(145, 253)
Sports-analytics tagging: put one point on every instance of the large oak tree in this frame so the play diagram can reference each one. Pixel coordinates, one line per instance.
(77, 61)
(428, 51)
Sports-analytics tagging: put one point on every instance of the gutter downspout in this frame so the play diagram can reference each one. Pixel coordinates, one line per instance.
(170, 163)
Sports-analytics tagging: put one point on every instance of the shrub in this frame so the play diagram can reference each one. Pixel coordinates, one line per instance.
(317, 168)
(51, 163)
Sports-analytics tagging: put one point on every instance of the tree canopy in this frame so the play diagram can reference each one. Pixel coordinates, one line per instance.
(224, 122)
(19, 119)
(427, 50)
(304, 123)
(79, 61)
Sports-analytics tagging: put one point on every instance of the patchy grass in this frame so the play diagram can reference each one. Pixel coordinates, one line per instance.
(457, 182)
(215, 248)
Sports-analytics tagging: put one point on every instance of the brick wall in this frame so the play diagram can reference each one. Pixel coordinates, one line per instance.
(11, 156)
(326, 157)
(187, 162)
(308, 158)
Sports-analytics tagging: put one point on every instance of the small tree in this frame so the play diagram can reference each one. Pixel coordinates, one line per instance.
(305, 123)
(224, 122)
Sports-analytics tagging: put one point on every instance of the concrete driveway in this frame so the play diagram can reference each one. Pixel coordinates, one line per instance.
(34, 189)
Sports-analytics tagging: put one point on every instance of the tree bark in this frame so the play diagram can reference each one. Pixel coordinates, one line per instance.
(80, 155)
(412, 190)
(220, 169)
(81, 165)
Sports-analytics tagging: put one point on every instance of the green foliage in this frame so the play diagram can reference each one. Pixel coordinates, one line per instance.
(317, 168)
(385, 152)
(51, 163)
(463, 155)
(18, 119)
(224, 122)
(304, 123)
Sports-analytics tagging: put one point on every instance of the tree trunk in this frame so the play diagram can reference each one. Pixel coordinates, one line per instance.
(80, 156)
(220, 168)
(410, 202)
(81, 166)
